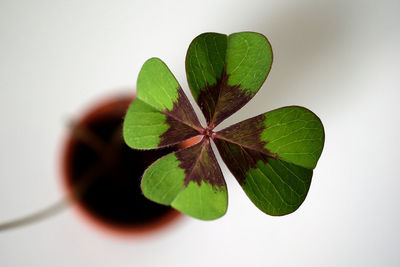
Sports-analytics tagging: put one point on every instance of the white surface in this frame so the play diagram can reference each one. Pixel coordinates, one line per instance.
(341, 59)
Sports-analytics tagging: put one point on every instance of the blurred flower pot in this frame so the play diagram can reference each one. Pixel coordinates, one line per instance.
(102, 174)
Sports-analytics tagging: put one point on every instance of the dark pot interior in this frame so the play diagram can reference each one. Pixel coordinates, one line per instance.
(103, 174)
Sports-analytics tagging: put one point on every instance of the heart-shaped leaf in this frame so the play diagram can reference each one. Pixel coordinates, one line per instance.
(272, 156)
(189, 180)
(161, 115)
(225, 72)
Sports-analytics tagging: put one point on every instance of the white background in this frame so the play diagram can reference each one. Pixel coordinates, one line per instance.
(340, 59)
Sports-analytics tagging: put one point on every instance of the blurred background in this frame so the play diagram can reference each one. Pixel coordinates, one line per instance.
(341, 59)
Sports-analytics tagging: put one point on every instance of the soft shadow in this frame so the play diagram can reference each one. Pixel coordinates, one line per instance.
(307, 39)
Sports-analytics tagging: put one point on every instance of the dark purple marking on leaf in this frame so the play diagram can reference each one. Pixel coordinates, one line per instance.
(219, 101)
(182, 120)
(200, 164)
(239, 159)
(247, 133)
(241, 147)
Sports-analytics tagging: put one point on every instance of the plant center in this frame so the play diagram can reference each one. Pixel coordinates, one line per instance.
(208, 132)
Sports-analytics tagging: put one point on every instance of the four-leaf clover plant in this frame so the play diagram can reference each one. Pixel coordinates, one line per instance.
(272, 155)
